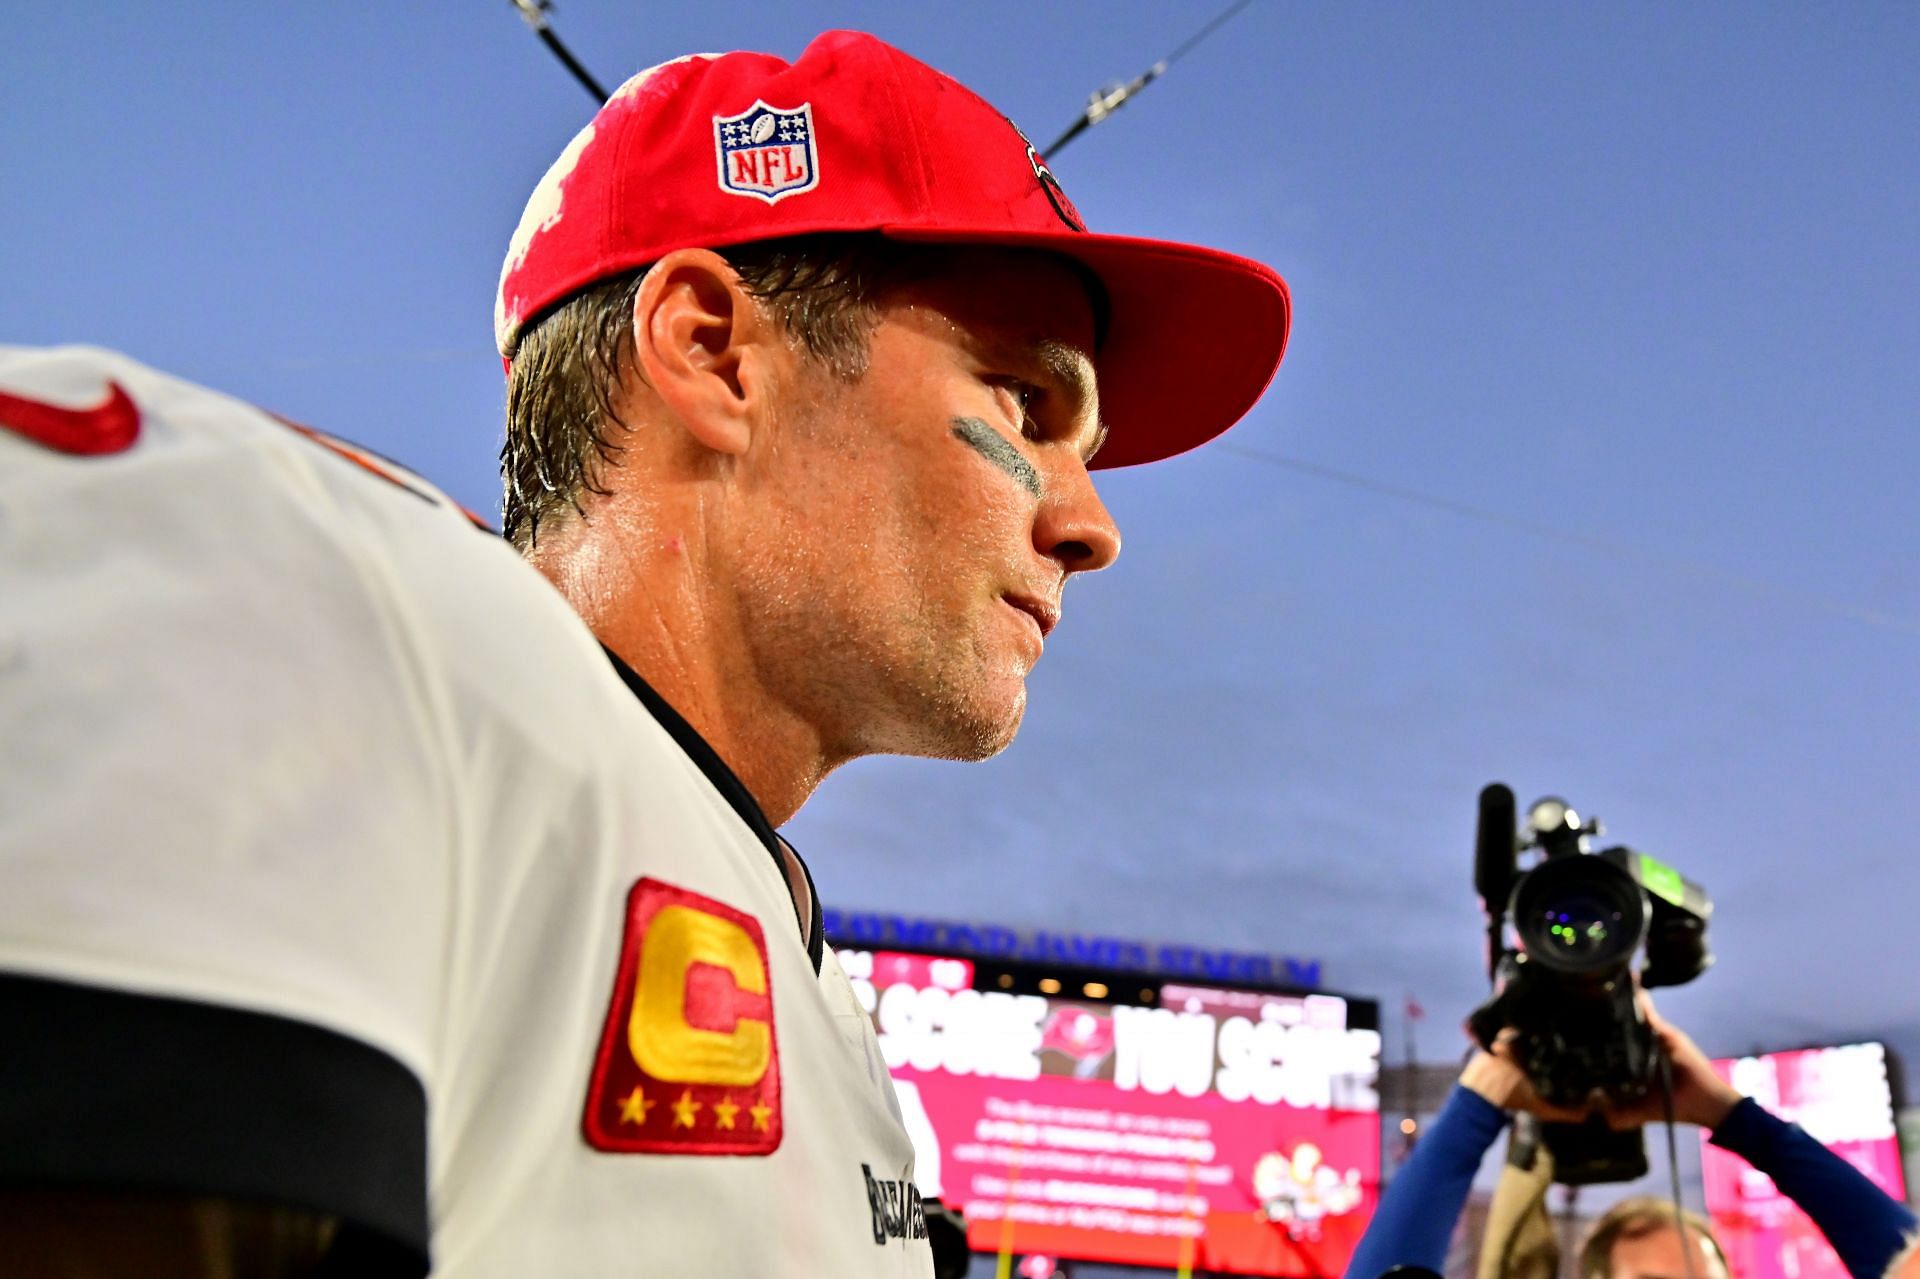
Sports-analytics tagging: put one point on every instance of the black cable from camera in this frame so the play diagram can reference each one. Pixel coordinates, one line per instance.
(1673, 1160)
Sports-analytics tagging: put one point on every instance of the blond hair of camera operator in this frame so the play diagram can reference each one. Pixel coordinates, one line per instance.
(1418, 1212)
(1641, 1237)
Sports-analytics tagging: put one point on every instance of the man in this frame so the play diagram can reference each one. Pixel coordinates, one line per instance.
(372, 896)
(1638, 1240)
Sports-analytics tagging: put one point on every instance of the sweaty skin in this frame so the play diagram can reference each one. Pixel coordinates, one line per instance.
(993, 446)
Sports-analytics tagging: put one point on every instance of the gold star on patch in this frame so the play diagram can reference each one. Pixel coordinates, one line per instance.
(634, 1107)
(685, 1109)
(761, 1114)
(724, 1110)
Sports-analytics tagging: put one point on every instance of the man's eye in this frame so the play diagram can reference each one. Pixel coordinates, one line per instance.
(1022, 396)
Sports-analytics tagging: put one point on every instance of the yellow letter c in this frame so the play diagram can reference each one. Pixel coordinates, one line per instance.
(662, 1043)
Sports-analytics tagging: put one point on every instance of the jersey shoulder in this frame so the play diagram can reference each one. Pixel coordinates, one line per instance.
(199, 484)
(66, 405)
(219, 505)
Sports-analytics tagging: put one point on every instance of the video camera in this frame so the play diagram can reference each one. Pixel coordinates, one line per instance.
(1566, 984)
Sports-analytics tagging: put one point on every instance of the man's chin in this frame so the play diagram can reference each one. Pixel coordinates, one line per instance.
(972, 732)
(992, 743)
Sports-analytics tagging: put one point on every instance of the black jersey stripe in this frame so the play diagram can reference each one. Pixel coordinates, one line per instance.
(108, 1089)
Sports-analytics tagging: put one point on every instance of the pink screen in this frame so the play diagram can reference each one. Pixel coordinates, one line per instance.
(1223, 1130)
(1840, 1096)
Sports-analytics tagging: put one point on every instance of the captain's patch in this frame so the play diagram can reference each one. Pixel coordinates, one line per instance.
(688, 1063)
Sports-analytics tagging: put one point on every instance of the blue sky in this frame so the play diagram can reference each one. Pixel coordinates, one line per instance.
(1590, 468)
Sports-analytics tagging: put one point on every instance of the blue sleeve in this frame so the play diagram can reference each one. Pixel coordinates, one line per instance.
(1418, 1212)
(1865, 1225)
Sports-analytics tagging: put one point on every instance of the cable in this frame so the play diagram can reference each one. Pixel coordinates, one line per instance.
(1101, 104)
(1552, 533)
(1104, 102)
(1220, 20)
(1673, 1161)
(535, 12)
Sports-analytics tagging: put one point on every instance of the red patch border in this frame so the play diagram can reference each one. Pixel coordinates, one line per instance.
(650, 894)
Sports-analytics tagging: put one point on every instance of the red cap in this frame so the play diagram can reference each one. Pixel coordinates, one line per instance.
(714, 150)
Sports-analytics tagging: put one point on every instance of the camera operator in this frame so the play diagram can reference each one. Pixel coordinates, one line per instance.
(1642, 1236)
(1416, 1218)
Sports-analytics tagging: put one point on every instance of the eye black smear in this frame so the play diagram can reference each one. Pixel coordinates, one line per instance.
(993, 446)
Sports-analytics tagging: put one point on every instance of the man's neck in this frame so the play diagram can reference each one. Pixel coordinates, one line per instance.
(645, 598)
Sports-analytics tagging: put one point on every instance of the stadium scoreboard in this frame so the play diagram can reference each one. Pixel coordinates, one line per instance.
(1108, 1115)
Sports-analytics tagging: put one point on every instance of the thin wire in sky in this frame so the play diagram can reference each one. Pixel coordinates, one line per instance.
(1673, 564)
(1104, 102)
(535, 13)
(1193, 41)
(1622, 551)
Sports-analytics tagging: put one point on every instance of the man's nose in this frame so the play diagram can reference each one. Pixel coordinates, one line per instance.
(1073, 527)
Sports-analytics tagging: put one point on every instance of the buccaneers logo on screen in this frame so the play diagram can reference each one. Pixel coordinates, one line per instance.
(687, 1062)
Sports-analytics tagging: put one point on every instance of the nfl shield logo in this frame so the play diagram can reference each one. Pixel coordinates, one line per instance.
(767, 152)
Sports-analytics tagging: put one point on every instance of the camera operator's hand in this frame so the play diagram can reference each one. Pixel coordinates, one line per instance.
(1699, 1095)
(1498, 1078)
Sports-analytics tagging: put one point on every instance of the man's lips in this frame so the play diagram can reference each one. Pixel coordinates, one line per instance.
(1046, 616)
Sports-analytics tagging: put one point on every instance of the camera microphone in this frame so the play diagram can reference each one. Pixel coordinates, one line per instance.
(1495, 864)
(1494, 854)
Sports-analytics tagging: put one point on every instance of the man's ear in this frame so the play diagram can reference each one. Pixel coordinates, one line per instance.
(699, 342)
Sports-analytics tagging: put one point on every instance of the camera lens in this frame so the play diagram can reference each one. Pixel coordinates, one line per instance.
(1582, 928)
(1580, 916)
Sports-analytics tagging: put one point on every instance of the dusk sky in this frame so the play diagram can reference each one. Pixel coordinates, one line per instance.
(1591, 466)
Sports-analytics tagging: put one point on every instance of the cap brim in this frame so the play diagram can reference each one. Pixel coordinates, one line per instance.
(1194, 337)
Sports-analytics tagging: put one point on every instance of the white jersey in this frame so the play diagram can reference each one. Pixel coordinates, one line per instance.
(341, 867)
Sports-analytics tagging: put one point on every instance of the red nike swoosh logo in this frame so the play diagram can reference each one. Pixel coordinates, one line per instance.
(107, 427)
